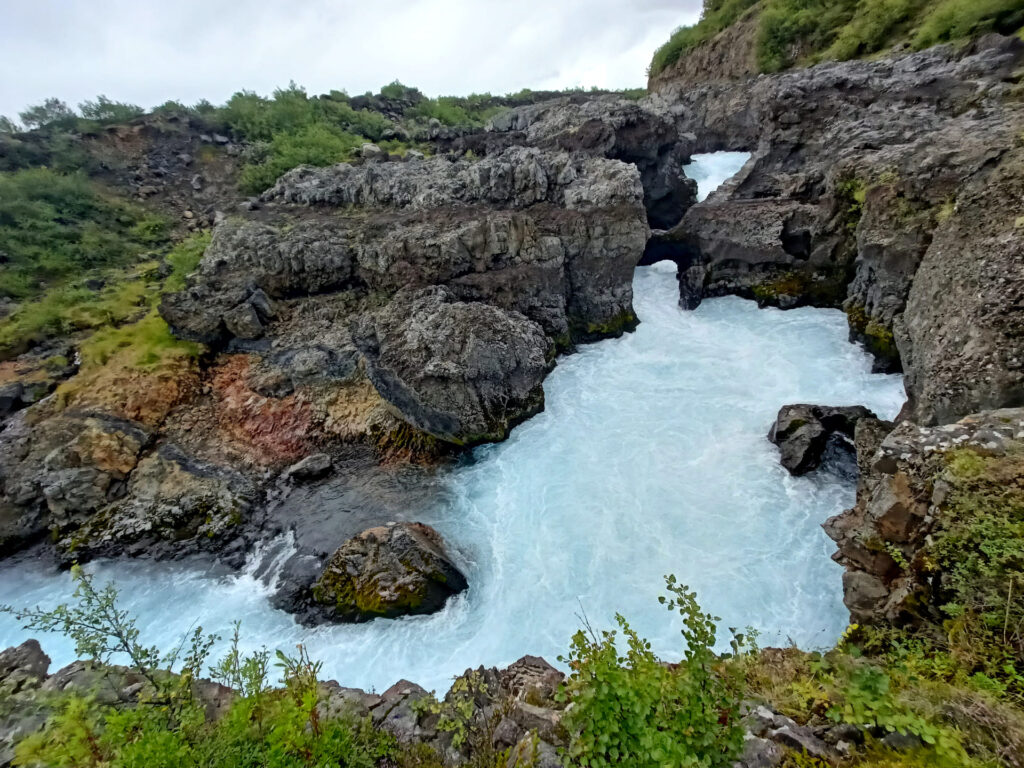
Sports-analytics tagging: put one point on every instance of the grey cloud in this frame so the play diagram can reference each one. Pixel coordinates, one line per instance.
(147, 52)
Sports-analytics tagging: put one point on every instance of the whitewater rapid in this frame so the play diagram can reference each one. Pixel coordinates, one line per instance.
(649, 458)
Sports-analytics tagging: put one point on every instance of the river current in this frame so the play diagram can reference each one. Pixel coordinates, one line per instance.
(650, 458)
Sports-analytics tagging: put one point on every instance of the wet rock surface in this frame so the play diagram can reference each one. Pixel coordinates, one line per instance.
(387, 571)
(464, 372)
(888, 188)
(806, 433)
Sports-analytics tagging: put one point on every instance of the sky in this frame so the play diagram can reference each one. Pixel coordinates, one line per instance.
(148, 51)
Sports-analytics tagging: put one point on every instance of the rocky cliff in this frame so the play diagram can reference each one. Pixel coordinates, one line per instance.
(886, 188)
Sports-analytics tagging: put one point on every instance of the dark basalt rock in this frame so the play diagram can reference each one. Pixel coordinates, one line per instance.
(171, 497)
(392, 570)
(23, 666)
(882, 187)
(464, 372)
(806, 434)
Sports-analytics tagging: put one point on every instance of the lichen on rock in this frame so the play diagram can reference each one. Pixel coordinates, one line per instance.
(388, 571)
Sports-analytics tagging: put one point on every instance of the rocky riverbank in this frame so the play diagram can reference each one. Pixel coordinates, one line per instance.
(373, 318)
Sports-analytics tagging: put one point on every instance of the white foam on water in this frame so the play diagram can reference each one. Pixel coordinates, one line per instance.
(650, 458)
(711, 169)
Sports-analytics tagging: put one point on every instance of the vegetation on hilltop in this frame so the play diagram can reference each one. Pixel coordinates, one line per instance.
(800, 32)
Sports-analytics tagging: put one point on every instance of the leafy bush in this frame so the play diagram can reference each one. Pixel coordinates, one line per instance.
(316, 144)
(53, 111)
(791, 32)
(167, 726)
(978, 548)
(55, 226)
(470, 111)
(633, 710)
(104, 110)
(872, 27)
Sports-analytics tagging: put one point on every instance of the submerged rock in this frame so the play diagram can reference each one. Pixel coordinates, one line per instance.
(804, 432)
(310, 468)
(388, 571)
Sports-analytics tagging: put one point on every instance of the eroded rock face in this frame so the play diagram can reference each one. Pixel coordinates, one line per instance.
(548, 234)
(464, 372)
(960, 335)
(171, 497)
(907, 479)
(452, 283)
(803, 433)
(393, 570)
(611, 127)
(890, 188)
(98, 487)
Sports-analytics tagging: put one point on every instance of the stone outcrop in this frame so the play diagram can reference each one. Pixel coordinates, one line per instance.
(97, 486)
(889, 188)
(609, 126)
(908, 477)
(464, 372)
(451, 282)
(392, 570)
(805, 433)
(170, 497)
(548, 234)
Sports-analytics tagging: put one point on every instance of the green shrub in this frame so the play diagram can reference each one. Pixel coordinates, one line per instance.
(793, 32)
(53, 111)
(104, 110)
(54, 226)
(978, 548)
(167, 726)
(633, 710)
(873, 26)
(317, 144)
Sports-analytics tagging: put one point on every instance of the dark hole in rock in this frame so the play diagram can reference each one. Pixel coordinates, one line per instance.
(796, 242)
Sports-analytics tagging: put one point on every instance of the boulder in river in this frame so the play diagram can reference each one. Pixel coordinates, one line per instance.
(390, 570)
(803, 433)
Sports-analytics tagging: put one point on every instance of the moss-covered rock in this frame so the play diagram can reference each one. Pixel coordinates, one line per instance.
(391, 570)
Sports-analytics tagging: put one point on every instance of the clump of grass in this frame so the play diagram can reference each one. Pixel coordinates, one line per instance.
(794, 32)
(953, 20)
(149, 342)
(125, 296)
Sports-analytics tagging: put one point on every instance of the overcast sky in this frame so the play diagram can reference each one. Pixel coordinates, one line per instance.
(148, 51)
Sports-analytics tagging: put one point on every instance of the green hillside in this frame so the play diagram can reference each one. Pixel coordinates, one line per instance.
(800, 32)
